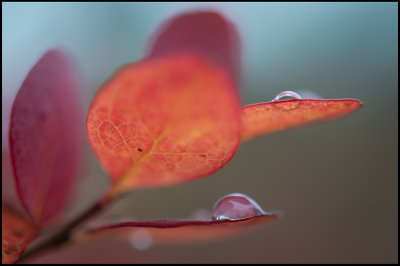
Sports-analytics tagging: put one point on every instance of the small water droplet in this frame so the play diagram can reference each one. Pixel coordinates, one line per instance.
(235, 206)
(286, 95)
(141, 239)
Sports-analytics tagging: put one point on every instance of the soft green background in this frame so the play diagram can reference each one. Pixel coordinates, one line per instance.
(336, 182)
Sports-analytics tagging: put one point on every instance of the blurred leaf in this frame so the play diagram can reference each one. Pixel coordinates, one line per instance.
(264, 118)
(9, 195)
(163, 121)
(17, 233)
(45, 137)
(178, 231)
(205, 32)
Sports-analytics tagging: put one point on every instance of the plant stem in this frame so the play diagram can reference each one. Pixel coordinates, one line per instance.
(64, 235)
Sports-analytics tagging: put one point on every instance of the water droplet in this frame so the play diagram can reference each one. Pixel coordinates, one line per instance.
(286, 95)
(235, 206)
(141, 239)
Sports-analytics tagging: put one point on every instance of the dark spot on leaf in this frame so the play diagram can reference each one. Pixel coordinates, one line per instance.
(18, 234)
(139, 149)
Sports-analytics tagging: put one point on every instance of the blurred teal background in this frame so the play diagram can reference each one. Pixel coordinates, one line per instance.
(336, 182)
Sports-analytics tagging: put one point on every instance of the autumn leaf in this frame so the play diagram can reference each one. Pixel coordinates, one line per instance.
(233, 214)
(45, 137)
(204, 32)
(165, 120)
(178, 231)
(17, 234)
(263, 118)
(172, 117)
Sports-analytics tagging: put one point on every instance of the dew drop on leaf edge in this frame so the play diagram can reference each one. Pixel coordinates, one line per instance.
(236, 206)
(287, 95)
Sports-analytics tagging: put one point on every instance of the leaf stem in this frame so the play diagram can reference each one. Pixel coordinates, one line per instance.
(64, 236)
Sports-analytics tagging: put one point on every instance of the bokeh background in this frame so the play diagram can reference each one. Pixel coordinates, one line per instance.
(336, 183)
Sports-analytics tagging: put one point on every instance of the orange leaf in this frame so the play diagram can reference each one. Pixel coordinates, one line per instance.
(164, 120)
(263, 118)
(17, 233)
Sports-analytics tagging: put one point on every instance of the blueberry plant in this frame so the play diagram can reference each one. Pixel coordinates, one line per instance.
(172, 117)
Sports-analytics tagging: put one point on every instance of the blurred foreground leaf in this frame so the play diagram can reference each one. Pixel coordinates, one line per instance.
(45, 137)
(17, 233)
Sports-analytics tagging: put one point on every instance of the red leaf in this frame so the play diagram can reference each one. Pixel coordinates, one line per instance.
(163, 121)
(263, 118)
(45, 137)
(205, 32)
(178, 231)
(17, 233)
(232, 214)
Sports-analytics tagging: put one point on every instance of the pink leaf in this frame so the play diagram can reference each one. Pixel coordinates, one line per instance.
(206, 32)
(45, 137)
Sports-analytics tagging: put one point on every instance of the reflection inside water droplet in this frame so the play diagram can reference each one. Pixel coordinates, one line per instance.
(235, 206)
(286, 95)
(141, 239)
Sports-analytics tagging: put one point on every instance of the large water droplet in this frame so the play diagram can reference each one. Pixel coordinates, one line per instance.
(235, 206)
(286, 95)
